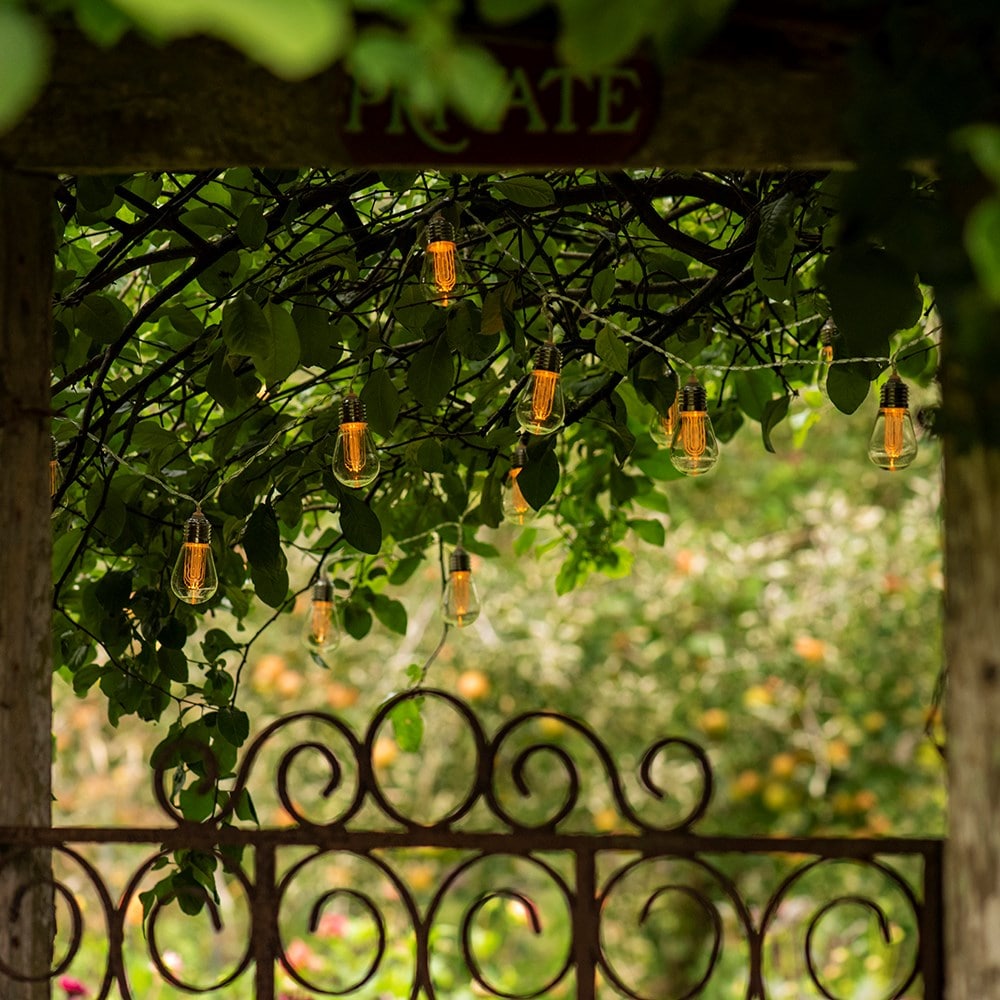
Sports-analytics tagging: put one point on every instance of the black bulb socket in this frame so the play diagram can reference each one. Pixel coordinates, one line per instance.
(692, 398)
(548, 358)
(459, 561)
(352, 410)
(895, 394)
(440, 230)
(197, 530)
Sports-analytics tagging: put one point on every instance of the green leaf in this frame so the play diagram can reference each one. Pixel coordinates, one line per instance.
(531, 192)
(113, 590)
(233, 725)
(24, 63)
(651, 532)
(611, 350)
(407, 725)
(871, 295)
(173, 664)
(359, 524)
(245, 329)
(432, 372)
(102, 317)
(100, 21)
(262, 544)
(507, 12)
(392, 614)
(292, 40)
(602, 287)
(754, 390)
(217, 642)
(846, 388)
(282, 356)
(261, 538)
(492, 321)
(773, 253)
(252, 226)
(774, 412)
(319, 339)
(197, 804)
(381, 398)
(982, 242)
(539, 478)
(357, 620)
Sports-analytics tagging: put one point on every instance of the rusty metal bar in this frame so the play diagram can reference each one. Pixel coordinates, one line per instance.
(586, 925)
(932, 924)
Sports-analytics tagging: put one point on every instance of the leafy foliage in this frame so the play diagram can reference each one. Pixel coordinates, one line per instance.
(207, 326)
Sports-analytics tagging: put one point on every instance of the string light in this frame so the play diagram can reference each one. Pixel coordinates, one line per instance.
(440, 271)
(194, 579)
(516, 508)
(321, 632)
(663, 425)
(55, 473)
(694, 449)
(893, 443)
(542, 406)
(355, 457)
(827, 332)
(460, 602)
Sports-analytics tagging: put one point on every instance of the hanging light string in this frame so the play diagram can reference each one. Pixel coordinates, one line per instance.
(107, 451)
(549, 296)
(676, 361)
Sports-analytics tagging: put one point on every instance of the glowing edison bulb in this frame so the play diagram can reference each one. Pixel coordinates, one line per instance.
(460, 603)
(516, 508)
(694, 449)
(55, 473)
(542, 406)
(355, 457)
(893, 444)
(194, 579)
(440, 273)
(663, 425)
(321, 632)
(827, 332)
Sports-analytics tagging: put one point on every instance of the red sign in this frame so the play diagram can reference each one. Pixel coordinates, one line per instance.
(553, 117)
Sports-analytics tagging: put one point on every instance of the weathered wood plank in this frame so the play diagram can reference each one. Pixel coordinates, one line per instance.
(26, 259)
(766, 94)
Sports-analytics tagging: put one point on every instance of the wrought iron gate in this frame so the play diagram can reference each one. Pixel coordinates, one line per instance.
(599, 904)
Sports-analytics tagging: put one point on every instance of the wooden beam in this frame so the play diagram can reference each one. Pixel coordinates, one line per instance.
(768, 93)
(27, 252)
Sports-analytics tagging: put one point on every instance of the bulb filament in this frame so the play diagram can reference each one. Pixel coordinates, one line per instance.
(461, 594)
(445, 276)
(668, 420)
(195, 569)
(354, 447)
(53, 477)
(894, 418)
(543, 391)
(520, 505)
(693, 432)
(320, 627)
(828, 353)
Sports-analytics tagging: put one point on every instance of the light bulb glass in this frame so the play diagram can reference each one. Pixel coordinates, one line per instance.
(321, 632)
(542, 406)
(516, 508)
(194, 579)
(893, 444)
(694, 449)
(441, 273)
(460, 603)
(355, 457)
(663, 425)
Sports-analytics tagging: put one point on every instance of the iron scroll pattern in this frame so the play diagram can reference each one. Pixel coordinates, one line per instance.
(583, 898)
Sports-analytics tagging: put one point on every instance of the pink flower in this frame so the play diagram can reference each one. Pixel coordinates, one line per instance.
(332, 925)
(73, 987)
